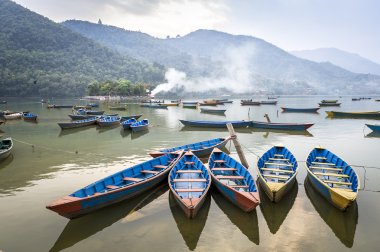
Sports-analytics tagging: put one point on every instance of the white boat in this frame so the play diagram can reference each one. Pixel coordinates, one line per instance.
(17, 115)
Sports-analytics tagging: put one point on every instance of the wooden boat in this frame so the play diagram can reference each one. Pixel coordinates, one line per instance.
(59, 106)
(332, 177)
(329, 101)
(93, 112)
(106, 121)
(190, 104)
(355, 99)
(127, 123)
(300, 110)
(117, 187)
(268, 102)
(233, 180)
(223, 101)
(374, 127)
(13, 115)
(329, 104)
(215, 124)
(78, 124)
(189, 181)
(82, 117)
(3, 102)
(123, 118)
(208, 104)
(154, 106)
(168, 104)
(140, 126)
(271, 97)
(29, 117)
(6, 146)
(93, 105)
(281, 126)
(200, 149)
(377, 100)
(1, 122)
(117, 108)
(364, 114)
(85, 107)
(249, 103)
(213, 111)
(277, 171)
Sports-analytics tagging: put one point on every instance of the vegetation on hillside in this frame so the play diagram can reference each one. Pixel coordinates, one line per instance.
(120, 87)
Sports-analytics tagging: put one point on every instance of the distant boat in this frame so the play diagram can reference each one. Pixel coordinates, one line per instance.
(222, 101)
(59, 106)
(364, 114)
(300, 110)
(13, 115)
(121, 108)
(329, 104)
(268, 102)
(189, 180)
(78, 124)
(82, 117)
(84, 107)
(329, 101)
(271, 97)
(200, 149)
(249, 102)
(332, 177)
(356, 99)
(123, 118)
(280, 126)
(374, 127)
(127, 123)
(120, 186)
(190, 104)
(233, 180)
(107, 121)
(215, 124)
(154, 106)
(277, 170)
(93, 112)
(140, 126)
(3, 102)
(172, 104)
(93, 105)
(6, 146)
(213, 111)
(29, 117)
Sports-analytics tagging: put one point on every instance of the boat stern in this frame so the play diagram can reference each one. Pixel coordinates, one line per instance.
(67, 206)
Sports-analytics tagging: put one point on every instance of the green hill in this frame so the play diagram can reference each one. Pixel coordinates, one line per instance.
(40, 57)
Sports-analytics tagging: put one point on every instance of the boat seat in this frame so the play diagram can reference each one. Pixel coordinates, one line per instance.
(276, 176)
(189, 163)
(190, 190)
(337, 182)
(279, 164)
(223, 169)
(190, 180)
(322, 163)
(323, 158)
(229, 177)
(132, 179)
(189, 171)
(325, 168)
(278, 155)
(277, 170)
(149, 171)
(239, 186)
(112, 187)
(219, 161)
(279, 159)
(332, 174)
(160, 166)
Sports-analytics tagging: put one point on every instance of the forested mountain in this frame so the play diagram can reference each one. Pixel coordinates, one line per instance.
(212, 54)
(350, 61)
(40, 57)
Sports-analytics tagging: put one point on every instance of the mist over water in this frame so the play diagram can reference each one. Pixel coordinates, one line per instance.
(235, 74)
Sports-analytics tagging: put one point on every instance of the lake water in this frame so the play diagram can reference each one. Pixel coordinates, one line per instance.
(47, 164)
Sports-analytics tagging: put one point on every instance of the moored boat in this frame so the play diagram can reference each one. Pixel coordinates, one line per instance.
(277, 170)
(332, 177)
(172, 104)
(281, 126)
(154, 106)
(300, 110)
(140, 126)
(363, 114)
(13, 115)
(215, 124)
(123, 118)
(121, 108)
(93, 112)
(213, 111)
(200, 149)
(106, 121)
(127, 123)
(78, 124)
(249, 102)
(59, 106)
(115, 188)
(190, 104)
(233, 180)
(6, 146)
(329, 104)
(3, 102)
(374, 127)
(268, 102)
(189, 181)
(29, 117)
(85, 107)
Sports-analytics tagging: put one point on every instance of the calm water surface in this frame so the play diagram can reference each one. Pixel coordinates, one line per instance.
(47, 164)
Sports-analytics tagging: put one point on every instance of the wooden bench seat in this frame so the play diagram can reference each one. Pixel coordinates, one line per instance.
(277, 170)
(190, 190)
(132, 179)
(239, 186)
(278, 155)
(275, 176)
(278, 164)
(189, 163)
(332, 174)
(189, 180)
(223, 169)
(229, 177)
(189, 171)
(326, 168)
(149, 171)
(219, 161)
(160, 166)
(112, 187)
(323, 163)
(279, 159)
(322, 158)
(337, 182)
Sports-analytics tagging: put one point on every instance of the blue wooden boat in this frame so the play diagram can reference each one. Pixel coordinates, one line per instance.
(29, 117)
(93, 105)
(59, 106)
(78, 124)
(6, 146)
(189, 181)
(249, 103)
(120, 186)
(332, 177)
(82, 117)
(277, 170)
(300, 110)
(329, 104)
(107, 121)
(268, 102)
(123, 118)
(127, 124)
(94, 112)
(281, 126)
(215, 124)
(233, 180)
(213, 111)
(374, 127)
(200, 149)
(140, 126)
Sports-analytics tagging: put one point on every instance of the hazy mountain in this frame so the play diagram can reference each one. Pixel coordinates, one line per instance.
(40, 57)
(350, 61)
(243, 61)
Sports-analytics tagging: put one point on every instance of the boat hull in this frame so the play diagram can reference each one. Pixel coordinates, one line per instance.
(73, 125)
(140, 128)
(215, 124)
(329, 104)
(273, 194)
(13, 116)
(213, 111)
(300, 110)
(374, 127)
(124, 118)
(4, 153)
(280, 126)
(365, 115)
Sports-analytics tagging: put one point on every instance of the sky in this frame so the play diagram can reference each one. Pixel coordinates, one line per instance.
(350, 25)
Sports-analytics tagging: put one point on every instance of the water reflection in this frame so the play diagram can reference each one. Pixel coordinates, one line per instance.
(79, 229)
(275, 213)
(125, 132)
(246, 222)
(5, 162)
(136, 135)
(105, 129)
(286, 132)
(190, 229)
(343, 224)
(238, 130)
(66, 132)
(373, 134)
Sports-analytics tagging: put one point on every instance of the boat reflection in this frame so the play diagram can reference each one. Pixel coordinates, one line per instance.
(190, 229)
(66, 132)
(124, 133)
(286, 132)
(79, 229)
(373, 134)
(238, 130)
(136, 135)
(106, 129)
(275, 213)
(246, 222)
(343, 224)
(5, 162)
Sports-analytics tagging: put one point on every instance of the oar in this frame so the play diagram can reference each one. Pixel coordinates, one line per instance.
(237, 144)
